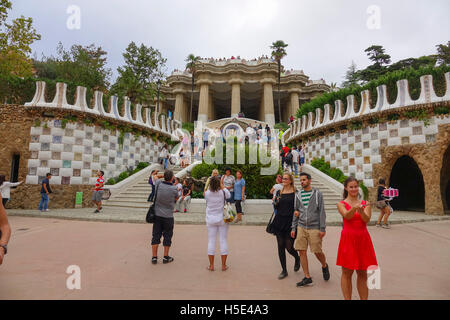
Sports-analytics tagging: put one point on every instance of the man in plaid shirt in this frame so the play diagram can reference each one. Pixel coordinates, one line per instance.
(98, 191)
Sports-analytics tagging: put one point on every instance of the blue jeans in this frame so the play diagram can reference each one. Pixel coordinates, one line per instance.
(165, 160)
(296, 168)
(44, 202)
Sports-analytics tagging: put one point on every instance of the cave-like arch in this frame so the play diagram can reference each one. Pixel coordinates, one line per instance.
(407, 177)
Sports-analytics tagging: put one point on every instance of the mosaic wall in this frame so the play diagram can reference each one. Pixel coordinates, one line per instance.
(355, 152)
(74, 154)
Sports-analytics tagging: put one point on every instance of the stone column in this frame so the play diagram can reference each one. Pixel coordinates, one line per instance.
(269, 113)
(294, 105)
(235, 96)
(203, 107)
(179, 112)
(211, 113)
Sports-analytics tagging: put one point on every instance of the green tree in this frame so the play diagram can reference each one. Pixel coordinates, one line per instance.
(443, 54)
(16, 39)
(85, 65)
(191, 66)
(415, 63)
(380, 60)
(351, 76)
(144, 66)
(279, 52)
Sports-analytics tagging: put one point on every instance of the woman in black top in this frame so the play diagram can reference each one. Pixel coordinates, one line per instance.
(282, 224)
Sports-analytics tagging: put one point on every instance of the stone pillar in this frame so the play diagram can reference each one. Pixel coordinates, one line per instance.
(269, 113)
(235, 96)
(179, 112)
(294, 102)
(211, 111)
(203, 107)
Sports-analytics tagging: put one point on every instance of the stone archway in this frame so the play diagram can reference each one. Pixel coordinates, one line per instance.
(407, 177)
(445, 181)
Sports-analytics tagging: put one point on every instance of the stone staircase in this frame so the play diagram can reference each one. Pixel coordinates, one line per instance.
(330, 195)
(134, 196)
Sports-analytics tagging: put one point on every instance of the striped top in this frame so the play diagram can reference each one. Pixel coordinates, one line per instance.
(305, 195)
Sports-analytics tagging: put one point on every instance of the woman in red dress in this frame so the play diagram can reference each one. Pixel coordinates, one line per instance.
(355, 247)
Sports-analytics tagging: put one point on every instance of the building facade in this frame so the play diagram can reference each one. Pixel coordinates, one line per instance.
(227, 88)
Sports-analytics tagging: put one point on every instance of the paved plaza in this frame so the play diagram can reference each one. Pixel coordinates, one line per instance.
(115, 263)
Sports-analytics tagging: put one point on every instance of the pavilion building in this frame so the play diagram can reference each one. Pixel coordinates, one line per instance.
(224, 89)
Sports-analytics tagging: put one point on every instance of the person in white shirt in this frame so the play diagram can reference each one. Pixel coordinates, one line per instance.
(278, 186)
(215, 200)
(5, 188)
(295, 160)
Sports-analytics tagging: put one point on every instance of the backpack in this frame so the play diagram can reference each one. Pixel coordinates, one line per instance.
(289, 157)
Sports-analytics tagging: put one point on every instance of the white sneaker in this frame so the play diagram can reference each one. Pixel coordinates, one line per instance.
(46, 210)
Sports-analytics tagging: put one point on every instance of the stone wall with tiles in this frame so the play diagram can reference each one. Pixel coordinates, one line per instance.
(371, 152)
(73, 154)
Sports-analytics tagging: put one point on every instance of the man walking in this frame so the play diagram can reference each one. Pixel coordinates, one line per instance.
(45, 192)
(98, 191)
(309, 221)
(205, 139)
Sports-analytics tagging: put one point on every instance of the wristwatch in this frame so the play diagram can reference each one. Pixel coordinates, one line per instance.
(5, 247)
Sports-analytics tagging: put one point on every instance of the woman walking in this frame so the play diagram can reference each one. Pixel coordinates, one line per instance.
(355, 247)
(5, 187)
(228, 181)
(215, 199)
(282, 222)
(239, 194)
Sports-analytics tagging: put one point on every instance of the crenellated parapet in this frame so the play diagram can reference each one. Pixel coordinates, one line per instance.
(141, 118)
(338, 116)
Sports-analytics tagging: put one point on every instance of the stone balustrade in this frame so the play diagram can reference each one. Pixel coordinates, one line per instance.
(156, 122)
(301, 127)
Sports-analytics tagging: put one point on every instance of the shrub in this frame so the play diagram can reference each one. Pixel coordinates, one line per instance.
(390, 80)
(441, 110)
(336, 174)
(111, 181)
(281, 126)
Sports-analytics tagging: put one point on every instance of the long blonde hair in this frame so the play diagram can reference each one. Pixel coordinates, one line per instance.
(291, 177)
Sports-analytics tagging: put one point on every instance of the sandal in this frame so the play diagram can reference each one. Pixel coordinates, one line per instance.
(225, 269)
(210, 268)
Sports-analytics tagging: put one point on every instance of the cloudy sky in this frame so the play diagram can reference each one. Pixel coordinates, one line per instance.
(324, 36)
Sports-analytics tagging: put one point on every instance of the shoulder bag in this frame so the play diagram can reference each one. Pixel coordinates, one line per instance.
(150, 217)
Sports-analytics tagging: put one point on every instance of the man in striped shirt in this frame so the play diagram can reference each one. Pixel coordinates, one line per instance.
(98, 191)
(309, 222)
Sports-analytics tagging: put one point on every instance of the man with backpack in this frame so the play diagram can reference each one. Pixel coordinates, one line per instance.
(283, 154)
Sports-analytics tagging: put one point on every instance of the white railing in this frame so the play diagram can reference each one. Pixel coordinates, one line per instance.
(427, 95)
(159, 123)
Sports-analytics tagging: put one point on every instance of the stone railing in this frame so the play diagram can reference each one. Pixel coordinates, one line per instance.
(326, 119)
(158, 124)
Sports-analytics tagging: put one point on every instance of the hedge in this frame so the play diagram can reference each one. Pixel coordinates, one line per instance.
(126, 174)
(336, 174)
(257, 186)
(390, 80)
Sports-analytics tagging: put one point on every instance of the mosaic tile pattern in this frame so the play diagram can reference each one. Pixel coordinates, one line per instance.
(74, 154)
(355, 152)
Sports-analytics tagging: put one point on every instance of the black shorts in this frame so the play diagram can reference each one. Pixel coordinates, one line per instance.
(163, 227)
(238, 205)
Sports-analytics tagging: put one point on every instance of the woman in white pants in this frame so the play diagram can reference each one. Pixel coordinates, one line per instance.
(215, 201)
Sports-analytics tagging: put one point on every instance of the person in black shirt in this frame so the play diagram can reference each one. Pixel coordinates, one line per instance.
(282, 224)
(383, 205)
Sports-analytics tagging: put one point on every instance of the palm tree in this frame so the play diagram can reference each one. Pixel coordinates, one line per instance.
(278, 53)
(191, 66)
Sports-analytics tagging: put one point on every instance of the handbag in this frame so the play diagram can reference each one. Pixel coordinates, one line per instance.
(106, 194)
(150, 217)
(269, 228)
(229, 213)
